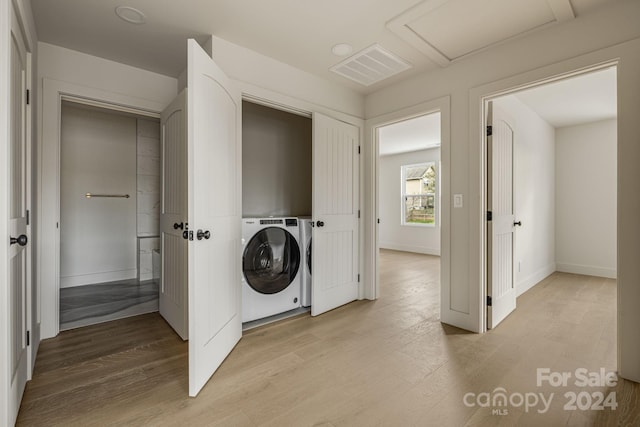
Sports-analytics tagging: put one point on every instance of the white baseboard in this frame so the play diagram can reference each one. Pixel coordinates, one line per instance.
(533, 279)
(610, 273)
(145, 276)
(410, 248)
(90, 279)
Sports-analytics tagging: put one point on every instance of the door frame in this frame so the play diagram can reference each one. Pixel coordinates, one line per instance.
(479, 98)
(371, 215)
(48, 250)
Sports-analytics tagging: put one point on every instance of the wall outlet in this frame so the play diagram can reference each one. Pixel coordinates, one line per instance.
(457, 201)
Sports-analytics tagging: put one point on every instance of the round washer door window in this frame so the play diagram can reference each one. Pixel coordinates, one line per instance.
(270, 261)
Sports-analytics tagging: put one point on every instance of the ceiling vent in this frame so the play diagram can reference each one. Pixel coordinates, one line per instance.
(371, 65)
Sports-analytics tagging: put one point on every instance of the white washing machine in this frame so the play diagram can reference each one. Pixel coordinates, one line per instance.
(270, 267)
(305, 255)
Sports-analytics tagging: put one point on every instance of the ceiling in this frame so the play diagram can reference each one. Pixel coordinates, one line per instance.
(569, 102)
(427, 34)
(415, 134)
(583, 99)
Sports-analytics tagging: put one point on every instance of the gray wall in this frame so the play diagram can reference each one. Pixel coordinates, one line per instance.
(276, 162)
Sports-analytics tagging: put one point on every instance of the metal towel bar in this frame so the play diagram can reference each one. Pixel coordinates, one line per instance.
(123, 196)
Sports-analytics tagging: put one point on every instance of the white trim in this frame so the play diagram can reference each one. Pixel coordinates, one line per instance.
(587, 270)
(53, 92)
(435, 164)
(533, 279)
(97, 278)
(409, 248)
(371, 209)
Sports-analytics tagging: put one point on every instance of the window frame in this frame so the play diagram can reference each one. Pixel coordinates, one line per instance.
(436, 194)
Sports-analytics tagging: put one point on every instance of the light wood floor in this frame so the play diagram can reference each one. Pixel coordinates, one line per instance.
(388, 362)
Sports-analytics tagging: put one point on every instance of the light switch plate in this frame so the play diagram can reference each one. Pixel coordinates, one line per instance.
(457, 201)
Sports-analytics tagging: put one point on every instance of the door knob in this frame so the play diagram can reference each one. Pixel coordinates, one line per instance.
(21, 240)
(178, 226)
(203, 234)
(320, 223)
(519, 223)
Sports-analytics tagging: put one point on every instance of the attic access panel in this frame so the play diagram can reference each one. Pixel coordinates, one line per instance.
(446, 30)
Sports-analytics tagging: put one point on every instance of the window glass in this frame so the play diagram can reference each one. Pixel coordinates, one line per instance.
(419, 190)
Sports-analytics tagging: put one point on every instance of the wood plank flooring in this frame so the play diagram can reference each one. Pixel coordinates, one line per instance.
(388, 362)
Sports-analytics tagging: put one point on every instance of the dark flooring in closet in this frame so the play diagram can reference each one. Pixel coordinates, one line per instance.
(91, 304)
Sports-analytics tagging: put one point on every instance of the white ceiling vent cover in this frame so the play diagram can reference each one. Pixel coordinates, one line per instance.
(371, 65)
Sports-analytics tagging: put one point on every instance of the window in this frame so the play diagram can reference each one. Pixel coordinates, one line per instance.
(419, 191)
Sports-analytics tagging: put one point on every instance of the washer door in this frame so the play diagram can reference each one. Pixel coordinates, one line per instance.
(270, 261)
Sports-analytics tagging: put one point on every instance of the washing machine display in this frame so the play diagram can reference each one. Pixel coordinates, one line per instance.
(271, 260)
(271, 266)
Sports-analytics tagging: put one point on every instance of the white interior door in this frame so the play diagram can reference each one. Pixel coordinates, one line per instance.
(501, 290)
(214, 204)
(18, 364)
(335, 213)
(173, 217)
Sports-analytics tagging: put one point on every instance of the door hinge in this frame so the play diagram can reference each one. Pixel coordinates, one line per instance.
(358, 213)
(28, 96)
(27, 217)
(489, 130)
(28, 337)
(358, 149)
(489, 301)
(358, 277)
(489, 216)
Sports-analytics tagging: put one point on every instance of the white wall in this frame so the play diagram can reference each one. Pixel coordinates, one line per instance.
(394, 235)
(67, 65)
(260, 75)
(586, 199)
(610, 33)
(534, 192)
(97, 235)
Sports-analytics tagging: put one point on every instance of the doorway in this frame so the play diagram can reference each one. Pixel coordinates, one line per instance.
(109, 214)
(564, 184)
(409, 214)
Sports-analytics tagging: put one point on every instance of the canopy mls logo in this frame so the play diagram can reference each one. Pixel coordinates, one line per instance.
(500, 401)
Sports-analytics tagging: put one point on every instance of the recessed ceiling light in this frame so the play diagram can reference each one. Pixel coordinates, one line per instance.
(130, 15)
(342, 49)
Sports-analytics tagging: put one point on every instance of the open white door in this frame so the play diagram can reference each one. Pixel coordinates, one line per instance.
(501, 291)
(335, 213)
(17, 352)
(214, 205)
(173, 216)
